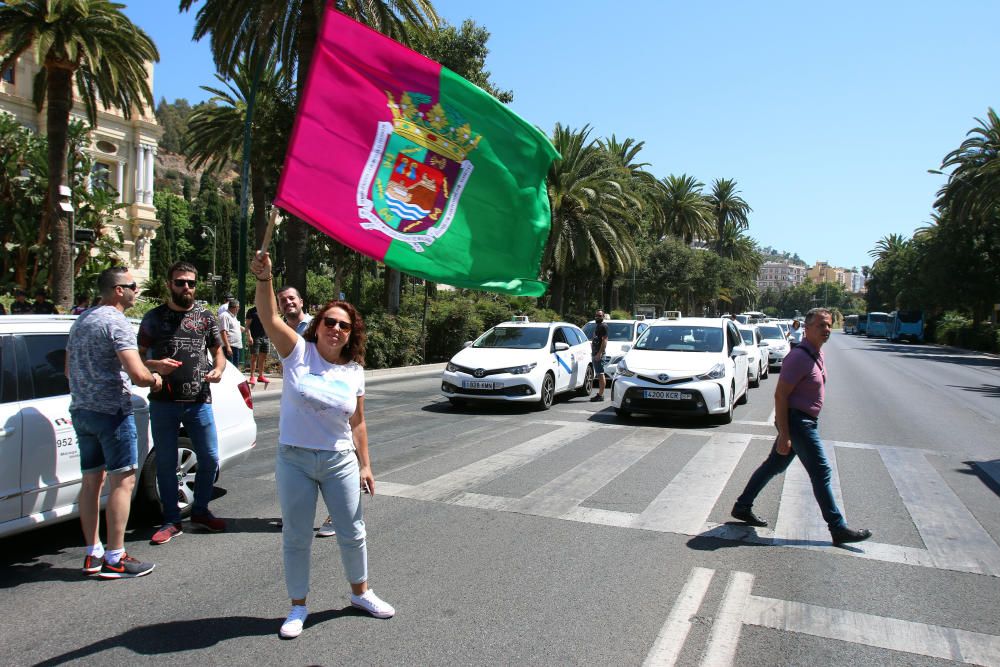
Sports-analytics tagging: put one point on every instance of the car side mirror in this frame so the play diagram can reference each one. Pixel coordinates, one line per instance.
(762, 343)
(626, 348)
(562, 347)
(467, 343)
(739, 352)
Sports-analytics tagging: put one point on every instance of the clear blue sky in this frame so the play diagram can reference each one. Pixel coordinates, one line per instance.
(827, 115)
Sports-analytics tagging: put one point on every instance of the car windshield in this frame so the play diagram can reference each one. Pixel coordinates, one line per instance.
(681, 339)
(747, 336)
(516, 338)
(616, 330)
(771, 332)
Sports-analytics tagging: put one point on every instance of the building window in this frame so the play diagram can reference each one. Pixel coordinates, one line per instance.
(100, 176)
(8, 75)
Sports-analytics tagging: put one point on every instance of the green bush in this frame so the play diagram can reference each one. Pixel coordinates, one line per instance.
(949, 327)
(392, 341)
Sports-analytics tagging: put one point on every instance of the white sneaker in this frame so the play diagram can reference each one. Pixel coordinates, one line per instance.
(292, 627)
(326, 530)
(372, 604)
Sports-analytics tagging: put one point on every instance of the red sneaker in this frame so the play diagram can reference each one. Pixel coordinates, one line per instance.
(262, 379)
(209, 522)
(168, 532)
(92, 564)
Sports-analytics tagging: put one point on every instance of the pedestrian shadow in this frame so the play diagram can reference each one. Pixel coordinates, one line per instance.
(988, 473)
(254, 525)
(736, 534)
(191, 635)
(990, 390)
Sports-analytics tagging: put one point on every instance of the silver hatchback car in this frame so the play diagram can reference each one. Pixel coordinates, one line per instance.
(39, 459)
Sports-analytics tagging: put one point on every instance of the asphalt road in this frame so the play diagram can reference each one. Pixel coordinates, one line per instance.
(508, 536)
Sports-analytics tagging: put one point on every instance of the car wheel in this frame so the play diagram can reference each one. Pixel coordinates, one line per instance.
(744, 398)
(456, 402)
(588, 382)
(187, 468)
(548, 392)
(764, 373)
(755, 381)
(622, 414)
(727, 416)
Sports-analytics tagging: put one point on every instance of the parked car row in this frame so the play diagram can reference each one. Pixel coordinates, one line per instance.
(679, 366)
(40, 472)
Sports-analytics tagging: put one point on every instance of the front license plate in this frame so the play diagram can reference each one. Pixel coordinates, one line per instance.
(665, 395)
(477, 384)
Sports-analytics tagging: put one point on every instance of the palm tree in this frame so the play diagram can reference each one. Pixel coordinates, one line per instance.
(240, 27)
(686, 212)
(972, 192)
(89, 43)
(215, 130)
(728, 208)
(590, 213)
(887, 246)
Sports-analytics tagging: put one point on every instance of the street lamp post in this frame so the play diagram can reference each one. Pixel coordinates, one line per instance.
(205, 232)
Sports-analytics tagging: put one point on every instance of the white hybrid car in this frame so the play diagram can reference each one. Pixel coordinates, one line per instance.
(691, 366)
(521, 361)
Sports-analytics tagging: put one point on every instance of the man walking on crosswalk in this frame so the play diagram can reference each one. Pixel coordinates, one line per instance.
(798, 399)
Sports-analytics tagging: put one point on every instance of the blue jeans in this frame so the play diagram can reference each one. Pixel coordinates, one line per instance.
(301, 474)
(105, 441)
(165, 419)
(804, 433)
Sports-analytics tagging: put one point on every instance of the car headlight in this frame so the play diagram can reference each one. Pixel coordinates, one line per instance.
(716, 372)
(451, 368)
(521, 370)
(623, 369)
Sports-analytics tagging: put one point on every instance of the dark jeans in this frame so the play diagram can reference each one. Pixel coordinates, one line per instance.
(804, 432)
(165, 420)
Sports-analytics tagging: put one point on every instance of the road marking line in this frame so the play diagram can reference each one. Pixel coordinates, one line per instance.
(491, 467)
(878, 631)
(952, 534)
(725, 636)
(674, 632)
(564, 493)
(799, 517)
(685, 504)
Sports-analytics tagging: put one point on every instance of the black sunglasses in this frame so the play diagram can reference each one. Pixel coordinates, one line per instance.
(131, 286)
(331, 322)
(180, 282)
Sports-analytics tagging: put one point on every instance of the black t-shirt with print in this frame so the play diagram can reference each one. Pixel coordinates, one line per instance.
(187, 337)
(600, 332)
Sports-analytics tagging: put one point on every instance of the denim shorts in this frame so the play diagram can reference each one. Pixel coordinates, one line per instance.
(260, 345)
(106, 441)
(598, 365)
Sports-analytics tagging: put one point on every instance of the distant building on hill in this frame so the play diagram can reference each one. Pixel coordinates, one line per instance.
(780, 275)
(124, 152)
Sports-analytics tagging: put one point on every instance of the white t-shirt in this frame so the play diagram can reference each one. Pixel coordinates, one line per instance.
(318, 399)
(231, 326)
(795, 335)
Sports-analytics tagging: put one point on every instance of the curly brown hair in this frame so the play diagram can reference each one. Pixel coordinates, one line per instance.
(355, 348)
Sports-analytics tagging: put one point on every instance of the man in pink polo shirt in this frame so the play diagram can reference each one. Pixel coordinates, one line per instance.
(798, 399)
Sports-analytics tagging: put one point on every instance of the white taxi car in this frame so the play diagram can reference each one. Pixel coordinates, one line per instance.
(757, 363)
(622, 335)
(39, 458)
(521, 361)
(777, 343)
(691, 366)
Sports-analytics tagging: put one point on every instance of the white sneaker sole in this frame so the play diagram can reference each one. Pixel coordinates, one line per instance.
(371, 612)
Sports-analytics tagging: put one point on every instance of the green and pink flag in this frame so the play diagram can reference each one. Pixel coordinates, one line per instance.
(410, 164)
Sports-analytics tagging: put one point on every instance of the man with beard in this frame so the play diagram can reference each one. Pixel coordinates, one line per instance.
(290, 304)
(179, 338)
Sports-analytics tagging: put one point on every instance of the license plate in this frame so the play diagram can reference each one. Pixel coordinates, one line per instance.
(477, 384)
(665, 395)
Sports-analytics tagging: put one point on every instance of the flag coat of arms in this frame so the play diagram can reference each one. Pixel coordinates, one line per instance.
(406, 162)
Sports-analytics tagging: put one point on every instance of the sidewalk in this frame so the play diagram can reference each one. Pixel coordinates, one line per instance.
(272, 391)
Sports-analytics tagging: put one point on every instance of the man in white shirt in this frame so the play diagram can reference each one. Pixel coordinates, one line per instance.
(233, 339)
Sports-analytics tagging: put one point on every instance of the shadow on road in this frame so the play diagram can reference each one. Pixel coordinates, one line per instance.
(931, 353)
(988, 473)
(197, 634)
(736, 534)
(991, 390)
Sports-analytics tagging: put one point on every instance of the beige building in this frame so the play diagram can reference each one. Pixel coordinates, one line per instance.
(780, 275)
(124, 152)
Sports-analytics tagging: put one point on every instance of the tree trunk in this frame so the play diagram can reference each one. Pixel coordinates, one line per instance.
(392, 282)
(556, 291)
(59, 97)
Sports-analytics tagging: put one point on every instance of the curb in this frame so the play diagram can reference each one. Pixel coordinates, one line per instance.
(375, 376)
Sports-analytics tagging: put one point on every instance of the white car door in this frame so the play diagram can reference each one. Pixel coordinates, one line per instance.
(564, 360)
(740, 359)
(50, 457)
(10, 436)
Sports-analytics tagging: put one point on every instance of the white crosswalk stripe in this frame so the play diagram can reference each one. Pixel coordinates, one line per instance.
(953, 538)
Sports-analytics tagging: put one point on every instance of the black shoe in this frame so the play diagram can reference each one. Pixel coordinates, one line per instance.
(596, 398)
(846, 535)
(746, 515)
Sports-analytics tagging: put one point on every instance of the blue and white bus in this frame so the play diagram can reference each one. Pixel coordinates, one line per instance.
(851, 324)
(906, 325)
(878, 325)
